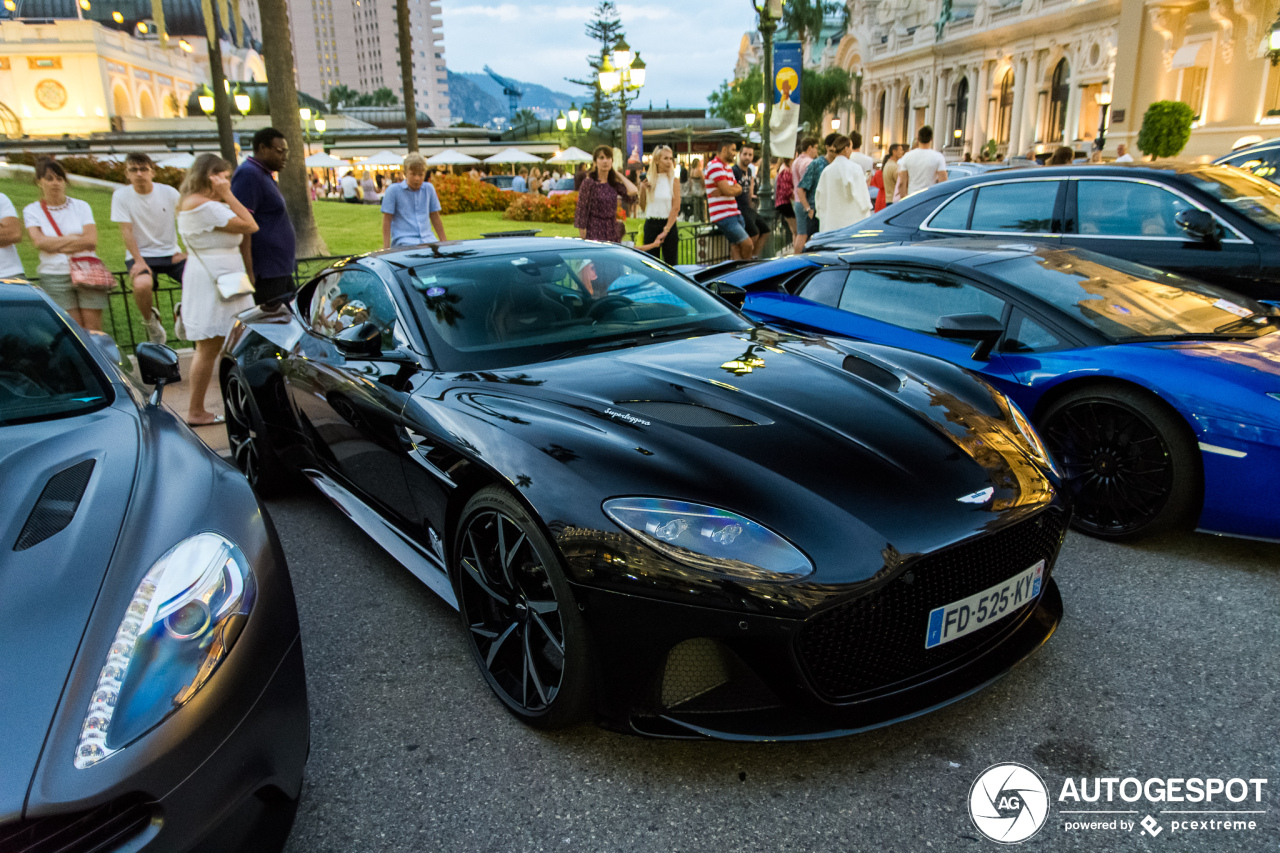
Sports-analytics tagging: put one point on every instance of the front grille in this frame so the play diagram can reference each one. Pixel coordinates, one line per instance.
(101, 829)
(877, 641)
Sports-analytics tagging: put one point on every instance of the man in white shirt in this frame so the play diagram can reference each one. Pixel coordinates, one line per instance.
(921, 167)
(842, 197)
(350, 188)
(1122, 154)
(10, 236)
(147, 215)
(868, 165)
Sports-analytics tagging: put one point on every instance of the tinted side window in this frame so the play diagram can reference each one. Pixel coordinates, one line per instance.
(914, 300)
(825, 287)
(346, 299)
(1025, 207)
(1026, 335)
(954, 215)
(1128, 209)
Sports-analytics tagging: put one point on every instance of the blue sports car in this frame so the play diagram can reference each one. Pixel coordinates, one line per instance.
(1159, 396)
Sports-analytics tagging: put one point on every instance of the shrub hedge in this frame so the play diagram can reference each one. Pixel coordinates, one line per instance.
(461, 194)
(92, 167)
(532, 207)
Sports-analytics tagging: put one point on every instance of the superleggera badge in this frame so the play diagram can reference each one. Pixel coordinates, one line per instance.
(623, 416)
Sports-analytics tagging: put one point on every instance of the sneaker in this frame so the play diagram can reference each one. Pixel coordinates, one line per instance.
(155, 329)
(179, 328)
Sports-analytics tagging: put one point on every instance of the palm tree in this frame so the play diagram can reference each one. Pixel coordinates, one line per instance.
(406, 73)
(282, 97)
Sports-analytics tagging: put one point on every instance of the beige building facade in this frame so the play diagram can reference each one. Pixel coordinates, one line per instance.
(1033, 74)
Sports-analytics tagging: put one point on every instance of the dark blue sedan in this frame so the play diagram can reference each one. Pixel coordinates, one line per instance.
(1158, 395)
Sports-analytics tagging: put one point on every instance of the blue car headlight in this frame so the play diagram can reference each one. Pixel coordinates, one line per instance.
(183, 619)
(710, 539)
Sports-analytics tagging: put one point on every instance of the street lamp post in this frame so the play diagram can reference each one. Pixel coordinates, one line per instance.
(769, 14)
(1104, 100)
(622, 72)
(1273, 42)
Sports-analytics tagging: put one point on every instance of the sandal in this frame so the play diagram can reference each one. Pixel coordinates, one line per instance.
(179, 328)
(217, 419)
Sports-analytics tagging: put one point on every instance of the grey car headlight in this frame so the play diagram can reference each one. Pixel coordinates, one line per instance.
(184, 617)
(710, 539)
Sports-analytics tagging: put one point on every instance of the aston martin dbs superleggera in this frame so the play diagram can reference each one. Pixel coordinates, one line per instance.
(648, 509)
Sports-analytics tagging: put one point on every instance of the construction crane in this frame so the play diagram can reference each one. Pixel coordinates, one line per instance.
(510, 88)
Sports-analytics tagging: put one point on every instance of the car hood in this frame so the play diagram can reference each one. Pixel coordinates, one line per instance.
(48, 590)
(870, 438)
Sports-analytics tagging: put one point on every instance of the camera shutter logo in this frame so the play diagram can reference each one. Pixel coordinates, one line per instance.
(1009, 803)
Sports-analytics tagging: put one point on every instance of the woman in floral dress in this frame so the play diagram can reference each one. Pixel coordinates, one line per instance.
(596, 216)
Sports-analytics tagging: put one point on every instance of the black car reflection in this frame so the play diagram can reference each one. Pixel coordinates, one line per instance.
(647, 509)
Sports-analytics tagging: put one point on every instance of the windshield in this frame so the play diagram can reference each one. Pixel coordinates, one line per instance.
(1129, 302)
(483, 313)
(44, 372)
(1253, 198)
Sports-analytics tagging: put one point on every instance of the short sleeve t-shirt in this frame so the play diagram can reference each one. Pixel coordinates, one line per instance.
(10, 263)
(71, 217)
(922, 165)
(719, 207)
(273, 247)
(411, 213)
(153, 216)
(349, 186)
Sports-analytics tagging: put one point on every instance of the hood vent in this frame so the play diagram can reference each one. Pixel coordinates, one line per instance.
(870, 371)
(57, 505)
(685, 414)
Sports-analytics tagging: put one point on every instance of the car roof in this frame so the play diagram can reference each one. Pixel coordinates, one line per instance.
(20, 290)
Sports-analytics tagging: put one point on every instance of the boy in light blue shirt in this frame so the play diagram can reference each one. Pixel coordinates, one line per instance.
(520, 184)
(411, 208)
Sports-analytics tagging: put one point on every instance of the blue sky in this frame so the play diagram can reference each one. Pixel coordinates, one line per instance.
(689, 46)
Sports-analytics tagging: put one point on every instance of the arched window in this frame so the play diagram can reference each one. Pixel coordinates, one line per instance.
(1058, 95)
(120, 101)
(146, 105)
(1004, 120)
(906, 115)
(962, 108)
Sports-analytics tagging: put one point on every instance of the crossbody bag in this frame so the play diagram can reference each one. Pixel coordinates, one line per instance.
(229, 284)
(87, 272)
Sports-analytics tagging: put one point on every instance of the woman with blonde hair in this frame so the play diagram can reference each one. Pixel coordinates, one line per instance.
(660, 201)
(63, 228)
(212, 223)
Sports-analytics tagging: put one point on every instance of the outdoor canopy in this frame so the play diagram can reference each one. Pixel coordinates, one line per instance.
(383, 158)
(513, 155)
(572, 155)
(322, 160)
(449, 157)
(182, 160)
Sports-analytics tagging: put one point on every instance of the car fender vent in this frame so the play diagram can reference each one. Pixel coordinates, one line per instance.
(57, 505)
(98, 830)
(870, 371)
(685, 414)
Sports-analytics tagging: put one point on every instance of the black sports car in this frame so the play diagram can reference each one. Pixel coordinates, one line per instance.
(151, 684)
(648, 508)
(1214, 223)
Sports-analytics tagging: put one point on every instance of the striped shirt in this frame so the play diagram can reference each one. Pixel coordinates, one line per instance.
(720, 207)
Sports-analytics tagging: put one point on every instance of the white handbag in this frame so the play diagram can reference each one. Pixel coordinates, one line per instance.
(229, 284)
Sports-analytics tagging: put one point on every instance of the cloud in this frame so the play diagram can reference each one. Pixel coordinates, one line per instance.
(689, 48)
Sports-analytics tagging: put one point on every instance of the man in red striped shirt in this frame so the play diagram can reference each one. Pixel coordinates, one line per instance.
(722, 190)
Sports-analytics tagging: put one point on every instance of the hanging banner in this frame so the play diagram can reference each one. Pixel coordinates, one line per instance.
(785, 121)
(635, 137)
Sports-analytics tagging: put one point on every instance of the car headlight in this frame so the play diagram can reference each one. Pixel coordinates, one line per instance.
(1032, 438)
(712, 540)
(183, 619)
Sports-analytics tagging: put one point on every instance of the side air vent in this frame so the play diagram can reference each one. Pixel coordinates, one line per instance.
(872, 372)
(57, 505)
(685, 414)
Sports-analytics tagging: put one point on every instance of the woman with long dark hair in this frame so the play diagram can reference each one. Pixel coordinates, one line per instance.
(596, 216)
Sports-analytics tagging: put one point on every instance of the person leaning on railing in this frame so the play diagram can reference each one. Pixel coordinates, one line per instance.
(62, 227)
(10, 237)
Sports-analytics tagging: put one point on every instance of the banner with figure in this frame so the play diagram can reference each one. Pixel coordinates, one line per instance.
(785, 121)
(635, 138)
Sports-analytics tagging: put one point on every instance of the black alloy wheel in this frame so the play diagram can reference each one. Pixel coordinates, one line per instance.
(524, 628)
(1131, 464)
(251, 448)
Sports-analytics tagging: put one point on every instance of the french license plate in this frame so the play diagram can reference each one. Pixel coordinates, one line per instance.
(952, 621)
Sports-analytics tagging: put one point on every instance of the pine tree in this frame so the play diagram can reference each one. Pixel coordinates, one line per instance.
(605, 28)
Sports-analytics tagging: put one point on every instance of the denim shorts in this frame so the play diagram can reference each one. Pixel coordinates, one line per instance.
(802, 218)
(733, 228)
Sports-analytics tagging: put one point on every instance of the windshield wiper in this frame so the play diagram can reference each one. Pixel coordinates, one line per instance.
(1251, 321)
(635, 340)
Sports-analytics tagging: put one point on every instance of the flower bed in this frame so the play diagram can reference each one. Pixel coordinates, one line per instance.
(531, 207)
(460, 194)
(106, 170)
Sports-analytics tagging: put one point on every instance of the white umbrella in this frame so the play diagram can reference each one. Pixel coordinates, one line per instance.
(572, 155)
(383, 158)
(322, 160)
(513, 155)
(178, 161)
(449, 157)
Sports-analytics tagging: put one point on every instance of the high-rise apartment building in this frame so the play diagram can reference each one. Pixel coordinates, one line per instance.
(355, 43)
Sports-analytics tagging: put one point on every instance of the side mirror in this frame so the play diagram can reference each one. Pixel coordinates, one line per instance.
(1198, 224)
(983, 328)
(731, 293)
(158, 366)
(363, 339)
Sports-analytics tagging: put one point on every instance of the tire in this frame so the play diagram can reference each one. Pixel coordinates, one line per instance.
(251, 448)
(1132, 465)
(522, 623)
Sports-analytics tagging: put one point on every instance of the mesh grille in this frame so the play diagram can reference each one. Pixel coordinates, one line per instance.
(101, 829)
(685, 414)
(877, 640)
(57, 505)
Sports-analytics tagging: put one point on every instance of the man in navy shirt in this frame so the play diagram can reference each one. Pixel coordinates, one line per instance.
(268, 254)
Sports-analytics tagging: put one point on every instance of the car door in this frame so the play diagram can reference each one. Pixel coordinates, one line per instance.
(1028, 207)
(351, 402)
(1136, 219)
(900, 306)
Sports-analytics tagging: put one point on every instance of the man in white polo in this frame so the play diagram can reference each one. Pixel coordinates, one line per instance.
(147, 215)
(921, 167)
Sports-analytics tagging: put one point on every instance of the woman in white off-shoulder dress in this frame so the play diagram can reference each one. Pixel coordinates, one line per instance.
(212, 224)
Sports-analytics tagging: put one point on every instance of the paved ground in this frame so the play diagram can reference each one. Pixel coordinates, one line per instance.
(1166, 665)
